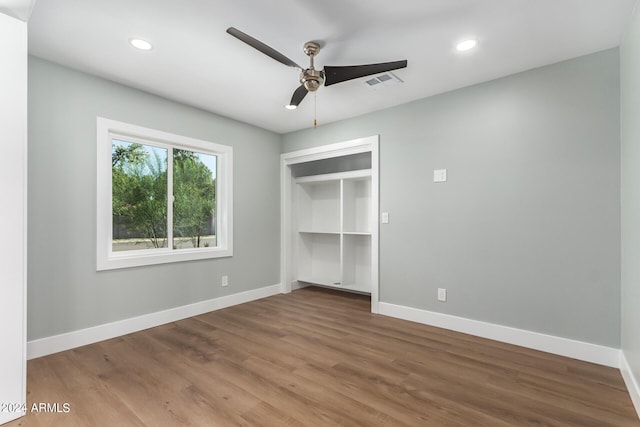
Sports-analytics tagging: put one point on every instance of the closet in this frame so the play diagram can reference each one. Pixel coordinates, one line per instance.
(330, 217)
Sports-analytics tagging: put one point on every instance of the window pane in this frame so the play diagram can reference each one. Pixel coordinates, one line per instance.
(139, 192)
(194, 205)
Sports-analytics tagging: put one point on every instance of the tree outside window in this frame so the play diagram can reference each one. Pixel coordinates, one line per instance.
(140, 193)
(194, 204)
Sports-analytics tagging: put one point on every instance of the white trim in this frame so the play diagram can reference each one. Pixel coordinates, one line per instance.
(106, 258)
(588, 352)
(375, 225)
(630, 381)
(49, 345)
(285, 227)
(355, 146)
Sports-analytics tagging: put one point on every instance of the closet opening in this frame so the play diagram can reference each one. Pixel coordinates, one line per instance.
(330, 218)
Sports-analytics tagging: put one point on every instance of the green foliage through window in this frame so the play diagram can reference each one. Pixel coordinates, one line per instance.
(140, 194)
(194, 189)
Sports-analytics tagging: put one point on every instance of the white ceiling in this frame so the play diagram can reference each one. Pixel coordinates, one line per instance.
(20, 9)
(196, 62)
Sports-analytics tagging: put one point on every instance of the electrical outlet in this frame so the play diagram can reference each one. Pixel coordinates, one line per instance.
(442, 294)
(225, 281)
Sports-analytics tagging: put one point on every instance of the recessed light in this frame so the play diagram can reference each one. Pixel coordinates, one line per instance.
(140, 44)
(290, 107)
(466, 45)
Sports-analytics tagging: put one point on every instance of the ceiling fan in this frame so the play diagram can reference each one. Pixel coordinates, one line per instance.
(310, 78)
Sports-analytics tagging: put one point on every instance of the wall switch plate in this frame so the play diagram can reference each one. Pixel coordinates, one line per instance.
(442, 294)
(225, 281)
(440, 175)
(385, 217)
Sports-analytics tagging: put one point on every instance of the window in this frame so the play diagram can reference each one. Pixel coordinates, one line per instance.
(161, 197)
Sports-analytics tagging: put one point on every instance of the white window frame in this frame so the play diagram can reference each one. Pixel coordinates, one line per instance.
(106, 258)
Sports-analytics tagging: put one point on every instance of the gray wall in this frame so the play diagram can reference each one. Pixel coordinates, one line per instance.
(65, 293)
(630, 178)
(526, 232)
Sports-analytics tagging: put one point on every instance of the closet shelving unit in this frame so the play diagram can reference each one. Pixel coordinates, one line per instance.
(334, 230)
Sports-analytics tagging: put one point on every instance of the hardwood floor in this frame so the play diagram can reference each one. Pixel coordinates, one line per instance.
(318, 358)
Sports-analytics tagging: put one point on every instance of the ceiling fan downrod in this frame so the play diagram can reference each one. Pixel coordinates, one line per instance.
(311, 78)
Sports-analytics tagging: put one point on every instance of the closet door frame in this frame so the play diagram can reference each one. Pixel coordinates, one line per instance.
(287, 183)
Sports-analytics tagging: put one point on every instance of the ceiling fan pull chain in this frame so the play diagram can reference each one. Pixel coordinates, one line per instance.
(315, 110)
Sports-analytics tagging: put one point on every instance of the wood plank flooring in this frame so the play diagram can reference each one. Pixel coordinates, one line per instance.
(318, 358)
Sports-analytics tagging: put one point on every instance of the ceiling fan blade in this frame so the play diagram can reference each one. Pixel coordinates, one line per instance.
(298, 95)
(333, 75)
(267, 50)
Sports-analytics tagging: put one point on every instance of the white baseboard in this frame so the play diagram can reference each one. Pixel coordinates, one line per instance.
(69, 340)
(551, 344)
(630, 380)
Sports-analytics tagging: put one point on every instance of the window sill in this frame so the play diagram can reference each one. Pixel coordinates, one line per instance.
(116, 260)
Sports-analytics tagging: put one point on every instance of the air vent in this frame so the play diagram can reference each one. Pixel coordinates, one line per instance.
(373, 82)
(383, 81)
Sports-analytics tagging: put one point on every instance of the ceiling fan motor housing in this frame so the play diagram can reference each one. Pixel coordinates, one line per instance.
(312, 79)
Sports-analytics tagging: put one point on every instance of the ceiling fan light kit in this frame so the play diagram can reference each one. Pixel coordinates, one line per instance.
(310, 78)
